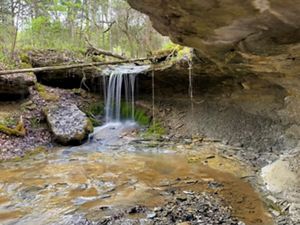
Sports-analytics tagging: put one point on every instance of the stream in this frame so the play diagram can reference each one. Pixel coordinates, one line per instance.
(119, 177)
(95, 183)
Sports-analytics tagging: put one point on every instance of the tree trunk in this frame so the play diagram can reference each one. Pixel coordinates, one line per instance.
(72, 66)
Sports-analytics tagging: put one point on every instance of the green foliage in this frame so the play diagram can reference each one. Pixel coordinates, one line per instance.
(34, 123)
(29, 154)
(180, 50)
(94, 110)
(64, 25)
(41, 32)
(169, 45)
(156, 130)
(139, 115)
(8, 121)
(45, 94)
(6, 60)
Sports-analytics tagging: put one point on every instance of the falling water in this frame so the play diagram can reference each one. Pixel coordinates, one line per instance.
(191, 84)
(153, 97)
(121, 81)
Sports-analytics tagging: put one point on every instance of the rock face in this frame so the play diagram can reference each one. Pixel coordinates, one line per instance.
(247, 93)
(15, 86)
(218, 28)
(68, 124)
(71, 78)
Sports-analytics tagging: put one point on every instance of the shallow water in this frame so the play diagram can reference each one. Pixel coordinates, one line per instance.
(111, 172)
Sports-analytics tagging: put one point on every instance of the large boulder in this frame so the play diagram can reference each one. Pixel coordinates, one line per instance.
(15, 86)
(68, 123)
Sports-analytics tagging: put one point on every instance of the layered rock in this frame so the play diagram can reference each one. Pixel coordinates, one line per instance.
(15, 86)
(86, 78)
(68, 124)
(222, 29)
(249, 96)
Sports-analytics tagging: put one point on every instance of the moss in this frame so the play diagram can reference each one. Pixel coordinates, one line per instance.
(8, 121)
(170, 46)
(24, 66)
(19, 130)
(44, 94)
(34, 123)
(89, 127)
(76, 91)
(12, 131)
(94, 110)
(30, 74)
(29, 154)
(24, 57)
(39, 87)
(98, 58)
(156, 130)
(140, 115)
(78, 137)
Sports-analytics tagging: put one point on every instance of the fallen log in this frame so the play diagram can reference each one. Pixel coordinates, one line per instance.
(19, 130)
(92, 50)
(70, 66)
(97, 51)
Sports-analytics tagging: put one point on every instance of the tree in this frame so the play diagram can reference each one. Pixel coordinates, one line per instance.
(63, 24)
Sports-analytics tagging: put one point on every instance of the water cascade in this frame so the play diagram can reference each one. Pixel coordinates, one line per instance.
(153, 97)
(191, 86)
(119, 89)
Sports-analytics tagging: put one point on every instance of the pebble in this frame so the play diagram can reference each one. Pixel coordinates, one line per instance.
(157, 209)
(181, 198)
(272, 198)
(151, 215)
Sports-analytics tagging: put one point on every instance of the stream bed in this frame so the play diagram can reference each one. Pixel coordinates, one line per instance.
(113, 180)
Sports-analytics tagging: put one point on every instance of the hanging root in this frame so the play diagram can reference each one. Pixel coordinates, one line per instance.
(19, 130)
(82, 83)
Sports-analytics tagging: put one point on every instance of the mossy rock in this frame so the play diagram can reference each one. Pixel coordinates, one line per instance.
(45, 94)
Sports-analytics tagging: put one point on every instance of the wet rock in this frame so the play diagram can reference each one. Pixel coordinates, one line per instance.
(136, 209)
(157, 209)
(16, 86)
(68, 124)
(215, 185)
(151, 215)
(181, 198)
(195, 209)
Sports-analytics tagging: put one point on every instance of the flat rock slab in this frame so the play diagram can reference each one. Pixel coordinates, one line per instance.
(68, 123)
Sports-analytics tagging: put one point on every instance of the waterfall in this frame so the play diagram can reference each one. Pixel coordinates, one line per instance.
(119, 84)
(191, 85)
(153, 96)
(119, 90)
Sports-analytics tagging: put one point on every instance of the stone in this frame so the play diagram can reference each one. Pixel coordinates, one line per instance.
(68, 123)
(151, 215)
(16, 86)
